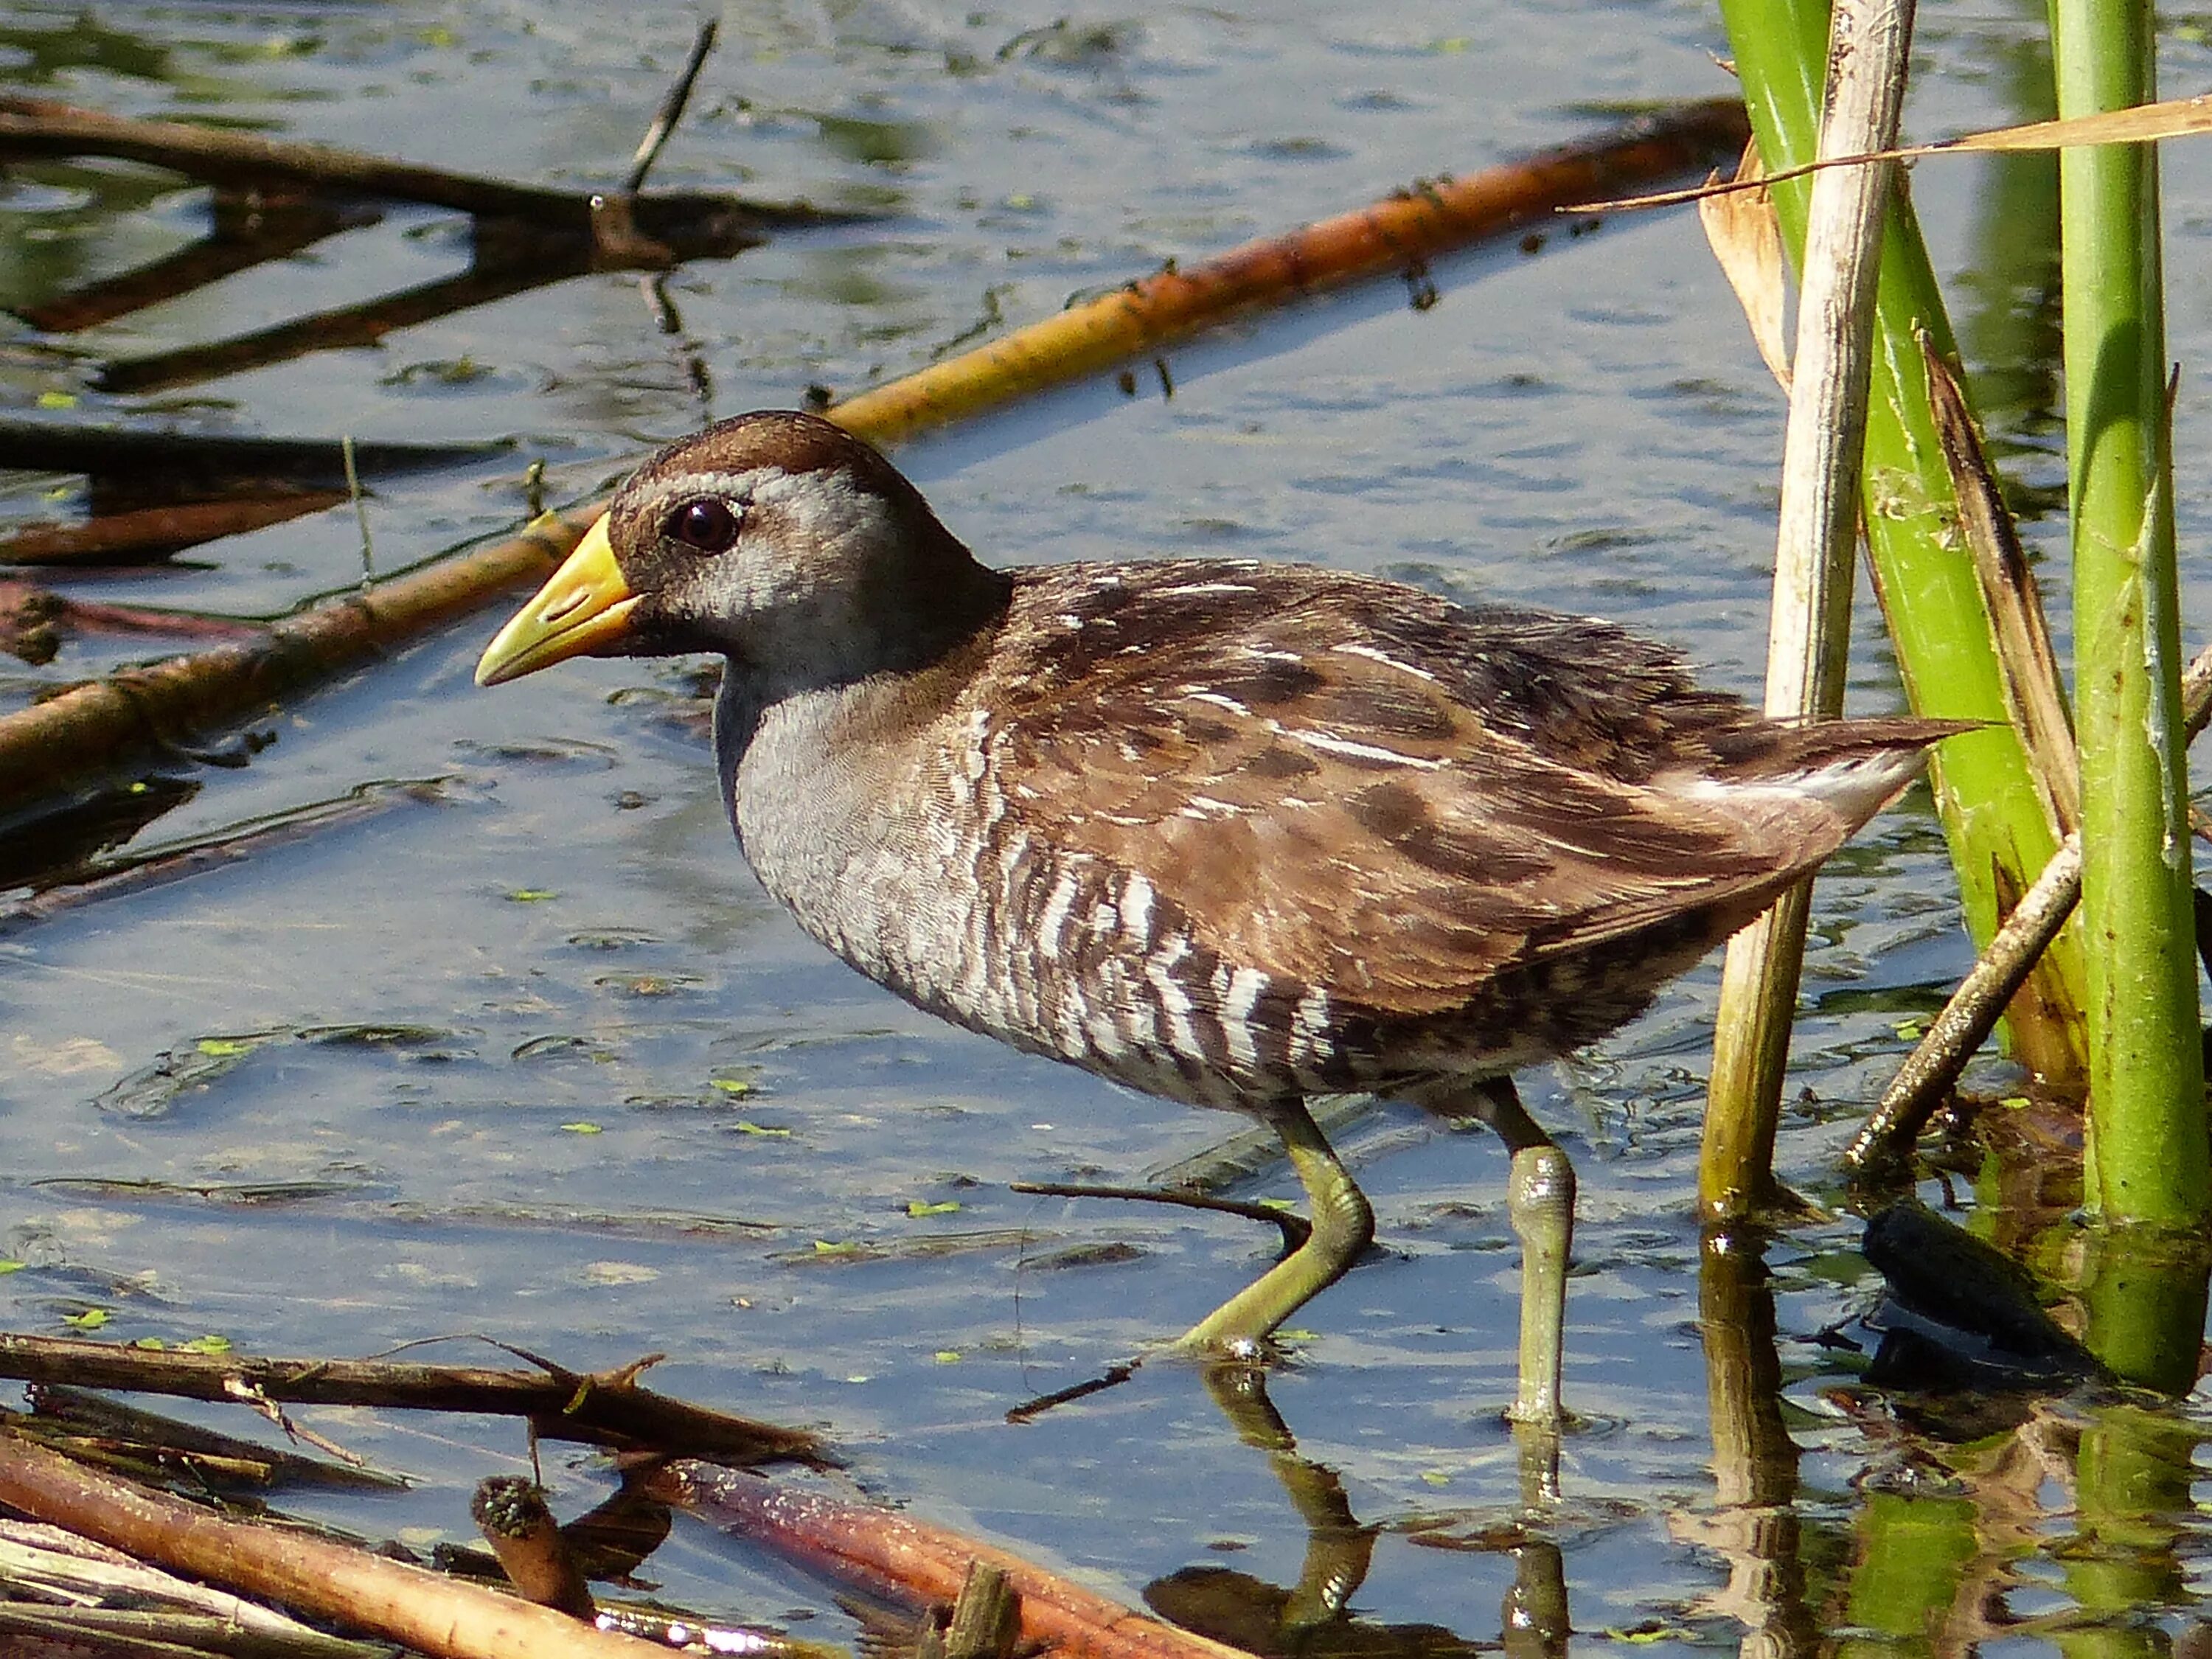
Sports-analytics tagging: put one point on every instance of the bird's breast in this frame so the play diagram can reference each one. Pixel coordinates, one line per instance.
(922, 874)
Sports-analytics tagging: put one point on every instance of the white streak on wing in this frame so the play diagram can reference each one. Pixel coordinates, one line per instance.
(1106, 1011)
(1386, 660)
(977, 989)
(1184, 589)
(1054, 920)
(1245, 987)
(1333, 746)
(1220, 701)
(1141, 1013)
(1309, 1025)
(1137, 908)
(1857, 786)
(1175, 1001)
(977, 759)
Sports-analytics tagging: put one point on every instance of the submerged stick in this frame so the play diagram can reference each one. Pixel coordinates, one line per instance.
(249, 228)
(48, 748)
(113, 877)
(42, 127)
(1295, 1227)
(1810, 631)
(345, 326)
(596, 1408)
(144, 534)
(342, 1582)
(886, 1553)
(24, 607)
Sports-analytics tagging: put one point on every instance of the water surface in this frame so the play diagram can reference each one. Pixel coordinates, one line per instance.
(551, 1069)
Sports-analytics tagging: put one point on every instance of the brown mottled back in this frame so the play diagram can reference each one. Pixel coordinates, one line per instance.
(1352, 785)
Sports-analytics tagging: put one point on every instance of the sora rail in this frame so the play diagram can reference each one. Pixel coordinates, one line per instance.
(1229, 833)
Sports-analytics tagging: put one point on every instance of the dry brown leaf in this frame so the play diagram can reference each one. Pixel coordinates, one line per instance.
(1746, 239)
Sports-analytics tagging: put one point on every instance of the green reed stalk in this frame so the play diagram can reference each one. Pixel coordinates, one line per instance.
(1909, 1557)
(2132, 1479)
(2146, 1123)
(1999, 836)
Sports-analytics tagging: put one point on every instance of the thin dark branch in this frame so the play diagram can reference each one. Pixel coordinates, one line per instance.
(671, 108)
(145, 535)
(34, 127)
(210, 461)
(1296, 1229)
(596, 1408)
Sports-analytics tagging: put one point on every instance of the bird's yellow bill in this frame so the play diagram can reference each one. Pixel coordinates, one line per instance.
(583, 610)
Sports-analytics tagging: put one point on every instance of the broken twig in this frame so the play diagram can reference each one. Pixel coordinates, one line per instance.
(671, 108)
(511, 1513)
(893, 1554)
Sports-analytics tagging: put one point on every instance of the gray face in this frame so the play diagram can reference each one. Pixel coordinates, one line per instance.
(795, 551)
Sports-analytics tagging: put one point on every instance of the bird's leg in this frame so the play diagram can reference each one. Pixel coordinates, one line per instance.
(1540, 1200)
(1343, 1227)
(1339, 1549)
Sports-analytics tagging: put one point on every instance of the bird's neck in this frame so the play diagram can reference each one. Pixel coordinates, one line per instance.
(819, 737)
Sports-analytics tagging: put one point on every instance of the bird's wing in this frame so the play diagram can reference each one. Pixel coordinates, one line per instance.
(1322, 801)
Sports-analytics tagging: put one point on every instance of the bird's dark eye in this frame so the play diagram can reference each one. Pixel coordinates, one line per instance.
(706, 525)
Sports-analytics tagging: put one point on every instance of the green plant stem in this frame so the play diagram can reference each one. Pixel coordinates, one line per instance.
(2148, 1159)
(1992, 814)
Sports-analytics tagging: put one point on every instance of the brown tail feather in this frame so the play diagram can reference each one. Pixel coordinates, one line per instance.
(1778, 748)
